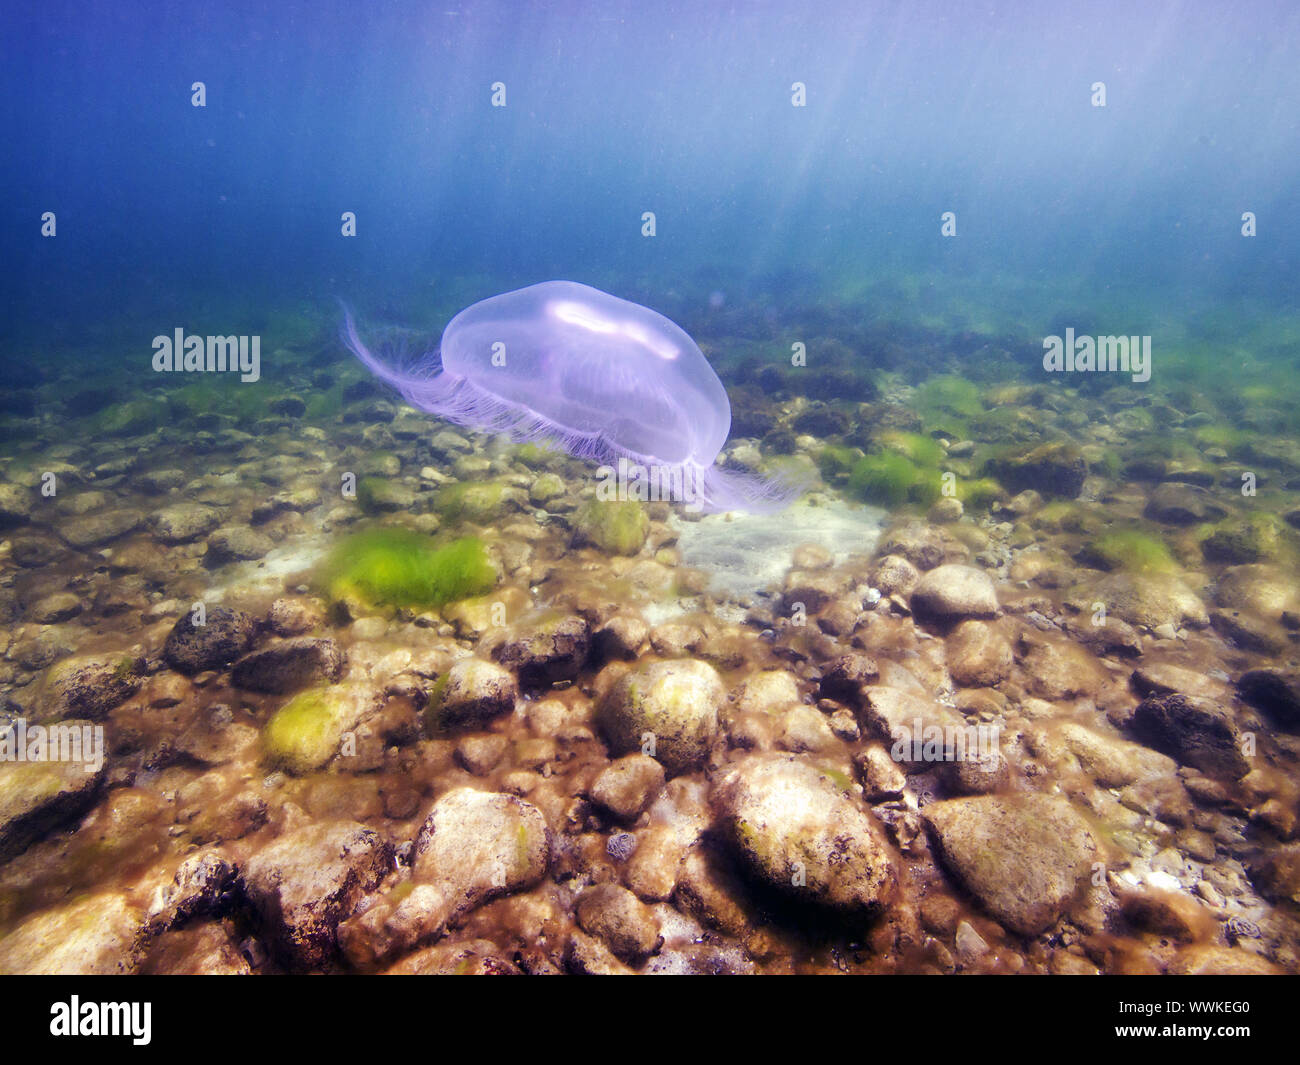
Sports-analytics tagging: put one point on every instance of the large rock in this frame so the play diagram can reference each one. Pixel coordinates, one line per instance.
(671, 705)
(92, 530)
(306, 732)
(97, 935)
(88, 686)
(1056, 470)
(183, 523)
(233, 543)
(1060, 668)
(224, 635)
(474, 846)
(1150, 600)
(625, 924)
(290, 665)
(304, 883)
(1182, 504)
(1196, 731)
(15, 504)
(1023, 857)
(471, 693)
(915, 727)
(797, 829)
(1112, 762)
(626, 786)
(546, 648)
(37, 797)
(978, 654)
(954, 591)
(1275, 692)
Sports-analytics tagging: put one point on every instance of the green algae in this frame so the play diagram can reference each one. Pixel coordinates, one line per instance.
(891, 479)
(304, 734)
(401, 568)
(1131, 550)
(476, 501)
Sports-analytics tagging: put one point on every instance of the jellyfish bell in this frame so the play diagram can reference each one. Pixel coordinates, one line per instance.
(603, 378)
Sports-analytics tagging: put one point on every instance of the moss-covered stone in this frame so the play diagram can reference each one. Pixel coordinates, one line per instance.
(476, 501)
(1131, 550)
(1254, 538)
(617, 527)
(305, 733)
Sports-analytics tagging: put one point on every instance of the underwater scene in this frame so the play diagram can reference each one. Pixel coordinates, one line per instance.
(610, 487)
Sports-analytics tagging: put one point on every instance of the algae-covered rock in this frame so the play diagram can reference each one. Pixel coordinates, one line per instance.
(1255, 538)
(620, 920)
(182, 523)
(479, 502)
(1057, 470)
(1023, 857)
(626, 786)
(1131, 550)
(797, 829)
(305, 733)
(668, 710)
(1148, 599)
(617, 527)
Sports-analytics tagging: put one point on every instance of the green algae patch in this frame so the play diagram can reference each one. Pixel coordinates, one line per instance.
(304, 734)
(1253, 538)
(891, 479)
(1130, 550)
(400, 568)
(617, 527)
(919, 449)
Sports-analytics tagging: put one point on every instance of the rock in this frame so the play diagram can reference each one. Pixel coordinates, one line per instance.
(672, 706)
(797, 829)
(953, 591)
(224, 636)
(1221, 961)
(845, 677)
(1275, 692)
(15, 505)
(294, 617)
(204, 884)
(813, 588)
(471, 693)
(478, 957)
(620, 920)
(1165, 678)
(1059, 668)
(767, 691)
(586, 955)
(806, 729)
(616, 527)
(1112, 762)
(480, 753)
(1255, 538)
(1026, 886)
(1196, 731)
(290, 665)
(1266, 591)
(1057, 470)
(882, 779)
(308, 880)
(38, 797)
(917, 542)
(474, 846)
(93, 530)
(895, 575)
(96, 935)
(160, 482)
(945, 511)
(545, 648)
(56, 608)
(1182, 504)
(87, 686)
(307, 731)
(238, 543)
(1149, 600)
(622, 636)
(1276, 873)
(896, 717)
(625, 787)
(183, 523)
(1249, 632)
(978, 655)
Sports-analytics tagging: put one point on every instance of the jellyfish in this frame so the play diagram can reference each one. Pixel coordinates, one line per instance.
(605, 379)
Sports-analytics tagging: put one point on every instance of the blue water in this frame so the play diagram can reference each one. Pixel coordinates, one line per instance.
(169, 213)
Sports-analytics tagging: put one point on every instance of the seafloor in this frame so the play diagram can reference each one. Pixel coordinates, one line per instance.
(613, 737)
